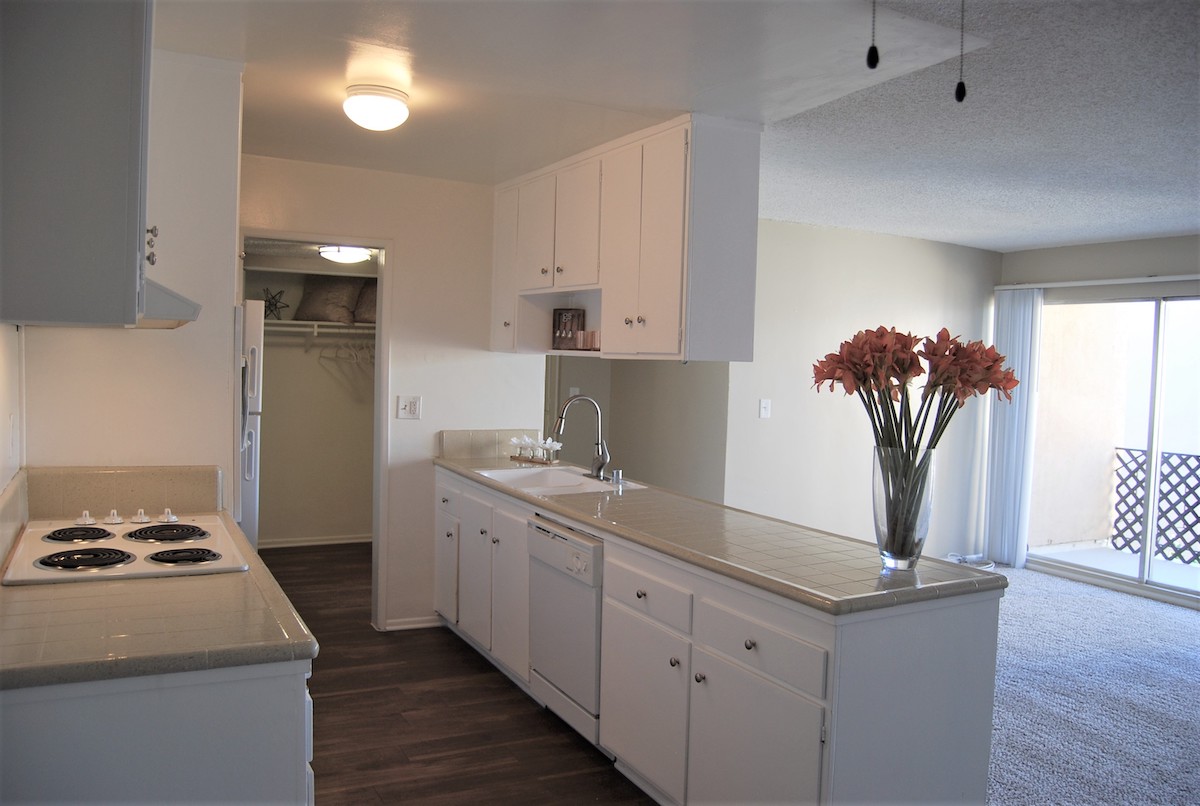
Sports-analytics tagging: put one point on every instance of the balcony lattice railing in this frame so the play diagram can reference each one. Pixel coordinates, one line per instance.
(1177, 522)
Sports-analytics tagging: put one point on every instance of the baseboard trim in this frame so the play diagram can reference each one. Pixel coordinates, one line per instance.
(314, 540)
(416, 623)
(1112, 582)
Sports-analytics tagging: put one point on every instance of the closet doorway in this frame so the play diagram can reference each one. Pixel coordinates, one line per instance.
(316, 477)
(1116, 468)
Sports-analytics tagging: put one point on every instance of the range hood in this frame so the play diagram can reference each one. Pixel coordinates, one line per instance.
(163, 309)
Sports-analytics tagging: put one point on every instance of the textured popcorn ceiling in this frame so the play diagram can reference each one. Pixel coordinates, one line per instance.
(1080, 125)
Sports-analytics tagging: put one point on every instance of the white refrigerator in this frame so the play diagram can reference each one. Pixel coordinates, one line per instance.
(250, 323)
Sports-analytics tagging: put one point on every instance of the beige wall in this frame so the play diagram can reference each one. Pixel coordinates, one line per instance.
(110, 396)
(810, 462)
(434, 308)
(10, 403)
(1153, 257)
(318, 435)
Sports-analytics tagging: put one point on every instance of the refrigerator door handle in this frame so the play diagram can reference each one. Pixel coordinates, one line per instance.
(248, 450)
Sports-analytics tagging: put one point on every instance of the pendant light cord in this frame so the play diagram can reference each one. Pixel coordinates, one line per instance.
(960, 92)
(872, 52)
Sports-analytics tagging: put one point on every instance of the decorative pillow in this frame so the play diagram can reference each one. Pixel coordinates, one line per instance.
(364, 311)
(329, 299)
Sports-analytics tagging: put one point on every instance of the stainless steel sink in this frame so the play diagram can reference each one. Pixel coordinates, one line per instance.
(552, 480)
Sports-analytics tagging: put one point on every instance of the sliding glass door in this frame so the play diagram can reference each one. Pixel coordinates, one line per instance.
(1116, 467)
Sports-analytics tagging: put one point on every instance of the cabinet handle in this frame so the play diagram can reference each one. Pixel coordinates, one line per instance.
(700, 678)
(751, 643)
(495, 540)
(628, 321)
(641, 594)
(545, 270)
(674, 662)
(483, 532)
(558, 269)
(641, 320)
(449, 535)
(152, 258)
(445, 500)
(508, 324)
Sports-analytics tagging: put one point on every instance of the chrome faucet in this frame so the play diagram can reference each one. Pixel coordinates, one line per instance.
(600, 460)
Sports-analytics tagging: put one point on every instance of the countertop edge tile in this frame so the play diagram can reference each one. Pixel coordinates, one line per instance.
(589, 508)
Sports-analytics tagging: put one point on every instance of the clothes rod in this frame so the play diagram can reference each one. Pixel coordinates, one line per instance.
(1160, 278)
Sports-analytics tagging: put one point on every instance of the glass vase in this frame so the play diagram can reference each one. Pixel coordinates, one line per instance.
(902, 497)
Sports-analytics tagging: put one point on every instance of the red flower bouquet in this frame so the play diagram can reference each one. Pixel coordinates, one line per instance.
(878, 366)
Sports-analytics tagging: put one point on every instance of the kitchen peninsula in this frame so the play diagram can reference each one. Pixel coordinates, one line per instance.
(165, 688)
(744, 658)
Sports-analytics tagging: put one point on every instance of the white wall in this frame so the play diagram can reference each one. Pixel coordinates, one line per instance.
(435, 306)
(158, 397)
(1104, 261)
(810, 463)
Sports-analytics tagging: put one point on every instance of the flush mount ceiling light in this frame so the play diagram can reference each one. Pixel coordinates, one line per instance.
(345, 254)
(375, 107)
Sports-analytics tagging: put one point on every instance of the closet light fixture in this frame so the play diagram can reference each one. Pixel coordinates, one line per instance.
(345, 254)
(375, 107)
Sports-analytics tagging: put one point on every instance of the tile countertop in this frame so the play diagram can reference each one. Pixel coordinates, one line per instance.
(828, 572)
(98, 630)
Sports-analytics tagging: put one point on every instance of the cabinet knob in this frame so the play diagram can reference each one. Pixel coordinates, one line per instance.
(545, 270)
(641, 594)
(674, 662)
(628, 321)
(153, 231)
(508, 324)
(641, 320)
(495, 540)
(445, 500)
(483, 532)
(558, 269)
(700, 678)
(152, 258)
(449, 535)
(751, 643)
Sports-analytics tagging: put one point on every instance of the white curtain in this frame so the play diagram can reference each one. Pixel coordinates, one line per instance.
(1010, 448)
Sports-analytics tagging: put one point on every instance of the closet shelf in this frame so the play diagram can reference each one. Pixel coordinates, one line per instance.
(315, 329)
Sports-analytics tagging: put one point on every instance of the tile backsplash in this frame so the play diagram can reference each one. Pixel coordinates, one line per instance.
(64, 492)
(481, 443)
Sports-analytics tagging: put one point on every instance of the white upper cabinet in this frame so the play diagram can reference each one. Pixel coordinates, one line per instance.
(77, 241)
(74, 159)
(558, 223)
(504, 267)
(654, 236)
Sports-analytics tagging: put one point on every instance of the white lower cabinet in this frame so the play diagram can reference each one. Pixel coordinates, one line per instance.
(644, 698)
(750, 739)
(481, 570)
(696, 725)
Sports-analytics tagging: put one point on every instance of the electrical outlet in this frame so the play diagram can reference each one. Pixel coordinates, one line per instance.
(408, 407)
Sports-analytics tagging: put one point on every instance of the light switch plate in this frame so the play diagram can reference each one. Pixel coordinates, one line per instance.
(764, 408)
(408, 407)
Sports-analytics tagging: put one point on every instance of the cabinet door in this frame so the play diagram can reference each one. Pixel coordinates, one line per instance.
(577, 226)
(644, 697)
(510, 591)
(620, 247)
(504, 265)
(750, 740)
(445, 565)
(535, 233)
(660, 278)
(73, 212)
(475, 569)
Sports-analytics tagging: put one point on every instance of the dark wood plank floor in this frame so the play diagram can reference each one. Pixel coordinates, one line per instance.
(418, 715)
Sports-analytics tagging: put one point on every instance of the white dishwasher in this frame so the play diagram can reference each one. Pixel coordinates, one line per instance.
(565, 571)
